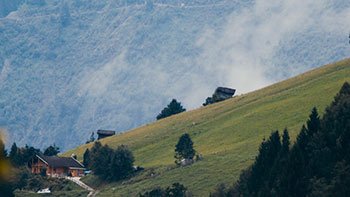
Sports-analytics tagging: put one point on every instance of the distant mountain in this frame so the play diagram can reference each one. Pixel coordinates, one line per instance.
(71, 67)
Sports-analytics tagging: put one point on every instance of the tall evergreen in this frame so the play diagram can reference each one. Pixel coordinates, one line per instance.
(277, 171)
(184, 148)
(268, 152)
(314, 123)
(86, 158)
(302, 139)
(27, 153)
(285, 141)
(52, 150)
(14, 155)
(100, 159)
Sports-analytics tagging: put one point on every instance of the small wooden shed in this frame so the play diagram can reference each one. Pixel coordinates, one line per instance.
(104, 133)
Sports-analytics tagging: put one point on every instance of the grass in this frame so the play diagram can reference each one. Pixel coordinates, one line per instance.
(227, 134)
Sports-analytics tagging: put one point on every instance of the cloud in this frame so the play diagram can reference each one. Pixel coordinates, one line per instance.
(95, 83)
(256, 46)
(261, 44)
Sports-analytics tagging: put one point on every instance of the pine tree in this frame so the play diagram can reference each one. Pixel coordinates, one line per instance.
(285, 141)
(278, 171)
(86, 158)
(313, 124)
(27, 153)
(303, 139)
(261, 168)
(14, 155)
(52, 150)
(184, 148)
(173, 108)
(343, 94)
(100, 160)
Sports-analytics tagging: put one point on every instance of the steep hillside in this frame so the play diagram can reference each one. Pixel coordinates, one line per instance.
(227, 134)
(71, 67)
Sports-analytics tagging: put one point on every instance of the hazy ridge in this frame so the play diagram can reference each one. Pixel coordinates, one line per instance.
(71, 67)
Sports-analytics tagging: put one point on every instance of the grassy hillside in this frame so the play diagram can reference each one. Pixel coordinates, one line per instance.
(227, 134)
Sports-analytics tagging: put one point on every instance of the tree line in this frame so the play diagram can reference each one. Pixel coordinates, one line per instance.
(317, 164)
(14, 173)
(20, 156)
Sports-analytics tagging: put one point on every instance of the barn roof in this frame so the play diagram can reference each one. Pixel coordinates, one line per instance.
(55, 161)
(226, 90)
(105, 132)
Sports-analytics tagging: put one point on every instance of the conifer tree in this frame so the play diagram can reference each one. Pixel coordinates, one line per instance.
(14, 155)
(100, 160)
(303, 139)
(52, 150)
(313, 124)
(86, 158)
(261, 168)
(184, 148)
(285, 141)
(173, 108)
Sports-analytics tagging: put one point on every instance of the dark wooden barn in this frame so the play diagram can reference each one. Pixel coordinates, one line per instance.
(104, 133)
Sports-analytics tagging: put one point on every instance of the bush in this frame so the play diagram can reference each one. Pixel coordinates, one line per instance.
(173, 108)
(109, 164)
(176, 190)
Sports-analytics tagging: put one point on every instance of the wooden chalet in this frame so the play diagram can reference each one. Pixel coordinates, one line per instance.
(57, 166)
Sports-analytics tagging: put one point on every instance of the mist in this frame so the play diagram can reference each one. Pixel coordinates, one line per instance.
(274, 40)
(116, 66)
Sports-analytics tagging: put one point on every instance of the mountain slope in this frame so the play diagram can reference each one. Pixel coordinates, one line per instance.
(227, 134)
(68, 68)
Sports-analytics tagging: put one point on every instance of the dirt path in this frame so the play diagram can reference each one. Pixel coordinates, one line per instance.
(92, 192)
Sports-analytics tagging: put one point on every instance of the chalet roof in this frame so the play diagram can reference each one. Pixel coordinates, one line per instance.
(226, 90)
(55, 161)
(105, 132)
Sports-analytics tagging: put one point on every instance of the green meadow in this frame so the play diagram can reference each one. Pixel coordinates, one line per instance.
(226, 134)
